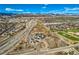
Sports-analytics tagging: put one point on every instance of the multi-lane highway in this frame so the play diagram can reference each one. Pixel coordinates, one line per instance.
(13, 41)
(10, 43)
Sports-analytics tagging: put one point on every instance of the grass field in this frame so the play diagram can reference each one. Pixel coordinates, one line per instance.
(70, 34)
(65, 34)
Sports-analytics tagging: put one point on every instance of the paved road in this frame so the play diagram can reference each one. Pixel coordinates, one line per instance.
(43, 52)
(52, 23)
(59, 23)
(4, 49)
(6, 39)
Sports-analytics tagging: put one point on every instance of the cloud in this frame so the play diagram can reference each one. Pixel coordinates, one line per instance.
(44, 7)
(45, 4)
(28, 12)
(71, 9)
(63, 11)
(19, 10)
(11, 9)
(53, 11)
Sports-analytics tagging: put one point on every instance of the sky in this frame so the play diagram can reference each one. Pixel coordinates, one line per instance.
(40, 8)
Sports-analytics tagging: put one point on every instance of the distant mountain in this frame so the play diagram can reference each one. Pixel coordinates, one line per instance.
(38, 14)
(7, 14)
(71, 14)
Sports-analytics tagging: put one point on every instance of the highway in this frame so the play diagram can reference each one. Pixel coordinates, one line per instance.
(9, 30)
(13, 41)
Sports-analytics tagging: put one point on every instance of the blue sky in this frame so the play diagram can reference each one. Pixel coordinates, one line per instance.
(40, 8)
